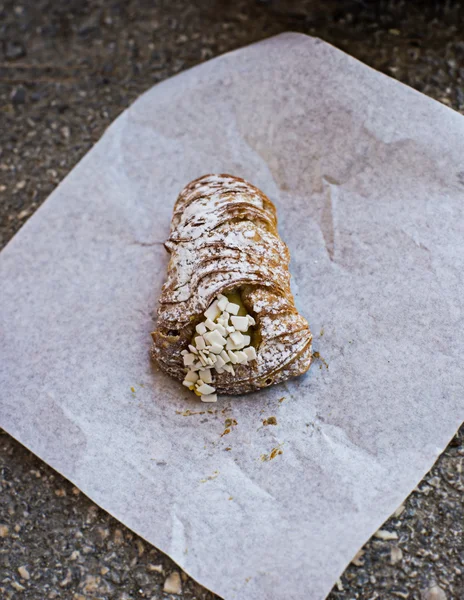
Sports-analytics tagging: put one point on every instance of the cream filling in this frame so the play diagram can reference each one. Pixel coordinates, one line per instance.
(221, 340)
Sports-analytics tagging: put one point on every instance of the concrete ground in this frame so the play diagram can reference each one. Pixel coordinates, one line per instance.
(67, 69)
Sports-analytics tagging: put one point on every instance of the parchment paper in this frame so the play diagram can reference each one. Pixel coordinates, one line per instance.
(368, 179)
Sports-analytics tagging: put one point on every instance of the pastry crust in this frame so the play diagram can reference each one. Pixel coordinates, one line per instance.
(224, 239)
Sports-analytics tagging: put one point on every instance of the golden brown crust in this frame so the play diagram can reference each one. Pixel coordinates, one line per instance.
(223, 238)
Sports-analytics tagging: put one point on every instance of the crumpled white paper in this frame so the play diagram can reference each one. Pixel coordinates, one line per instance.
(368, 179)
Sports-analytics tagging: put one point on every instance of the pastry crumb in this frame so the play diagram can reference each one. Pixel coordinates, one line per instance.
(274, 452)
(317, 356)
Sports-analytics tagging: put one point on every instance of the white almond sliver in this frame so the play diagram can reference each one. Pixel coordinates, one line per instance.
(214, 337)
(216, 348)
(225, 356)
(250, 353)
(230, 345)
(188, 384)
(205, 389)
(189, 359)
(243, 343)
(201, 328)
(251, 321)
(222, 303)
(209, 398)
(184, 352)
(206, 375)
(219, 363)
(191, 376)
(229, 369)
(200, 342)
(220, 328)
(237, 337)
(213, 311)
(241, 357)
(209, 324)
(219, 371)
(240, 323)
(232, 308)
(232, 357)
(197, 366)
(193, 349)
(230, 329)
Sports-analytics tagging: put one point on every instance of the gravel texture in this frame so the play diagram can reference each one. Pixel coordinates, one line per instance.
(67, 69)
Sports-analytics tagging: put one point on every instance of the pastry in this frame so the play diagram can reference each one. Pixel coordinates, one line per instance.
(227, 321)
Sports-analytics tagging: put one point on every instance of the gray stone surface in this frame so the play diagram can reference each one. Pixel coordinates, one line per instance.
(66, 70)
